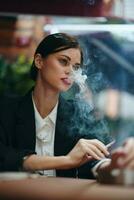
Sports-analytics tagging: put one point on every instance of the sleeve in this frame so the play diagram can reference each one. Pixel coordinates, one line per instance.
(10, 159)
(94, 169)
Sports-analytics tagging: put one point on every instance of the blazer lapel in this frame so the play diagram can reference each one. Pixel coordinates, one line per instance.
(63, 142)
(25, 129)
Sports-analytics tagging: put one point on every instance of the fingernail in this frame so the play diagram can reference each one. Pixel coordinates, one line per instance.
(120, 162)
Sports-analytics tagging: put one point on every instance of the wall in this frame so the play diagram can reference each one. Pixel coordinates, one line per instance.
(53, 7)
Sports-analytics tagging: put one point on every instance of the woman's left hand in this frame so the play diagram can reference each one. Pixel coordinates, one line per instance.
(128, 146)
(123, 157)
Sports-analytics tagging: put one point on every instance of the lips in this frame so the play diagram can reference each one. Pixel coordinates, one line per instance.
(66, 81)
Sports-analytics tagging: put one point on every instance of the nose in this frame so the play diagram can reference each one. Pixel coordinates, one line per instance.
(69, 69)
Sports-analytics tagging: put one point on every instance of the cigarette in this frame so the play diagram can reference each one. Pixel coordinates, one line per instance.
(110, 144)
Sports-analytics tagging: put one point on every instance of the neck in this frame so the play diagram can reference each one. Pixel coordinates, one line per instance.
(45, 100)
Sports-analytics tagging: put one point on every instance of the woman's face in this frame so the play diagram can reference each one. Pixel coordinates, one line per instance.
(54, 70)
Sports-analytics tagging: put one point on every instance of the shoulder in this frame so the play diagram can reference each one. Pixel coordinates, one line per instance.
(9, 105)
(8, 110)
(77, 110)
(76, 103)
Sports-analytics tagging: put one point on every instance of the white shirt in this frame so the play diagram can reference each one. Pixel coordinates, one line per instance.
(45, 134)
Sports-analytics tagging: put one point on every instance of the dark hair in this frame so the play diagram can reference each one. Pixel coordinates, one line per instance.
(54, 43)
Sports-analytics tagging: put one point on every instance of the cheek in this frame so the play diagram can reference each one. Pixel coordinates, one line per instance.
(50, 75)
(52, 67)
(55, 73)
(51, 71)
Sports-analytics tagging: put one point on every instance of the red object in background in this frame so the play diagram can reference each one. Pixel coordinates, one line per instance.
(54, 7)
(22, 41)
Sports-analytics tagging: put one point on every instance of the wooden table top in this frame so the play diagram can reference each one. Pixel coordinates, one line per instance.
(55, 188)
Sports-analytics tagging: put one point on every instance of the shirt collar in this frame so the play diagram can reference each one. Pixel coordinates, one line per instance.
(52, 115)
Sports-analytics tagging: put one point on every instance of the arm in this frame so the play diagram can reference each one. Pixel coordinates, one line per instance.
(10, 158)
(82, 152)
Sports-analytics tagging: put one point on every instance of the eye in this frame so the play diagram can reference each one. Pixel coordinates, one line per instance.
(76, 67)
(63, 61)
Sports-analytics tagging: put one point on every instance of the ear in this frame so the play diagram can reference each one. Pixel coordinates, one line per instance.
(38, 61)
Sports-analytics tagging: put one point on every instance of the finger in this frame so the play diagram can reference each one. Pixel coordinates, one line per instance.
(129, 145)
(100, 146)
(117, 158)
(129, 150)
(88, 157)
(96, 150)
(130, 165)
(90, 152)
(128, 159)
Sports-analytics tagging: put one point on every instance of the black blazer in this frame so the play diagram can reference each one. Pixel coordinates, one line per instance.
(17, 132)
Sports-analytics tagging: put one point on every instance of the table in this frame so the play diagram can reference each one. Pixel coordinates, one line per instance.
(54, 188)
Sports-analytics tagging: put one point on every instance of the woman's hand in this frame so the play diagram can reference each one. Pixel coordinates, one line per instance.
(86, 150)
(82, 152)
(123, 157)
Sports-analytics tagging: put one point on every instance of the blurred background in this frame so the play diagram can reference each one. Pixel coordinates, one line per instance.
(105, 29)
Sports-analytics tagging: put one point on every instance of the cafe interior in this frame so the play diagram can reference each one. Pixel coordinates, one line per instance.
(105, 31)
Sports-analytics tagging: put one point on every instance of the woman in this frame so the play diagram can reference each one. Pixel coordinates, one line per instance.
(38, 132)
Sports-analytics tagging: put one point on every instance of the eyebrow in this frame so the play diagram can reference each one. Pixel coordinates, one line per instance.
(66, 57)
(69, 59)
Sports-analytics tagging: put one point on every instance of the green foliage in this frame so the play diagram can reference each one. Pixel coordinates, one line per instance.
(14, 76)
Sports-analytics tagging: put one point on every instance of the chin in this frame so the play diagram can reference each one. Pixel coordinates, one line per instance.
(64, 88)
